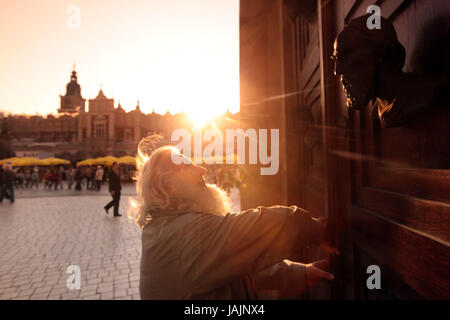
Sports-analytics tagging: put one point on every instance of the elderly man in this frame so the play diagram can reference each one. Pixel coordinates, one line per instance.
(193, 247)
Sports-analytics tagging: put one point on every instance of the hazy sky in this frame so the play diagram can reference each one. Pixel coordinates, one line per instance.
(176, 54)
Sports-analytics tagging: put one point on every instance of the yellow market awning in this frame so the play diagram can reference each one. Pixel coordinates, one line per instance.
(127, 160)
(11, 160)
(85, 162)
(54, 161)
(104, 161)
(26, 162)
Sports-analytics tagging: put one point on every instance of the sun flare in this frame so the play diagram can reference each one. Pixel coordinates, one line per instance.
(201, 117)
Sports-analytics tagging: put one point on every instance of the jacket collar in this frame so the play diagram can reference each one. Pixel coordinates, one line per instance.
(158, 213)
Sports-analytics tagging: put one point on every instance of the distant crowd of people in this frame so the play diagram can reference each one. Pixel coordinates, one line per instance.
(92, 178)
(53, 178)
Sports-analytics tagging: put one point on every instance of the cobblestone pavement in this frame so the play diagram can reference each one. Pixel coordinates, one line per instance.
(44, 232)
(41, 236)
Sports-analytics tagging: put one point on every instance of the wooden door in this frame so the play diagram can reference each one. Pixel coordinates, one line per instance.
(306, 177)
(400, 204)
(304, 143)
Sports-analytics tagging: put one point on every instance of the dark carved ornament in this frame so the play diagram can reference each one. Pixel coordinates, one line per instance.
(369, 63)
(303, 8)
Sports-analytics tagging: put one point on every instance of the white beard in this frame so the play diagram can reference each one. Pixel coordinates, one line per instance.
(207, 199)
(215, 201)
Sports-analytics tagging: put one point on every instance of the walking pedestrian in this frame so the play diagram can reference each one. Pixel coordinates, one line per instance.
(8, 182)
(88, 175)
(53, 179)
(20, 179)
(71, 177)
(59, 178)
(114, 189)
(2, 172)
(78, 179)
(99, 177)
(27, 175)
(35, 178)
(47, 179)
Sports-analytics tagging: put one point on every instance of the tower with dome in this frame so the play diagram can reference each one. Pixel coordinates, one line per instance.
(72, 101)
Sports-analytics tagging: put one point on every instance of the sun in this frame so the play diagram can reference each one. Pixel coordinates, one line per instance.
(199, 120)
(201, 117)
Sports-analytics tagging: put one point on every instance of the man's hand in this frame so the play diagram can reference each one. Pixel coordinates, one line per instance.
(112, 192)
(315, 272)
(325, 245)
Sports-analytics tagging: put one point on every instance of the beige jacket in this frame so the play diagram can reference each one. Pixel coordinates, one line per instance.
(237, 256)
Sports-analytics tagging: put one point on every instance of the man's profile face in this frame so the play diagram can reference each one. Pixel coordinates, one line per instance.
(188, 172)
(355, 66)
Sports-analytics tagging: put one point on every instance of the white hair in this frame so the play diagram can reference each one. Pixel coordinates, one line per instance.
(154, 175)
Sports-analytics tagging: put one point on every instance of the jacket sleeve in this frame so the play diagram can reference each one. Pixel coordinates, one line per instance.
(284, 280)
(217, 249)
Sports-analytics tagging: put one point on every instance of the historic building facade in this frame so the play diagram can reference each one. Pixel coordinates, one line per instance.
(102, 129)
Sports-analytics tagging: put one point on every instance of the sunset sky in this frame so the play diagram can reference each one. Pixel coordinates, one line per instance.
(168, 54)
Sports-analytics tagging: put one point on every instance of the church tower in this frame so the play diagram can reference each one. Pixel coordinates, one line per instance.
(72, 101)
